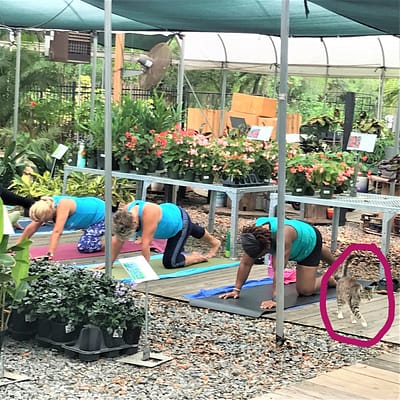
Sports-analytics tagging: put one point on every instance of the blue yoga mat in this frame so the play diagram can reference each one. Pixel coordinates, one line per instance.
(223, 289)
(45, 229)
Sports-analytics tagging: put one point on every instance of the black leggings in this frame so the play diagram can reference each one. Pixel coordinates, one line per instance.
(173, 254)
(11, 199)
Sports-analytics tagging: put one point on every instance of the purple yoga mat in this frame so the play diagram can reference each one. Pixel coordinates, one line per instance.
(69, 251)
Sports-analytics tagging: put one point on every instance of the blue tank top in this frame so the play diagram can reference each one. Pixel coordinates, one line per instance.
(170, 223)
(306, 239)
(89, 211)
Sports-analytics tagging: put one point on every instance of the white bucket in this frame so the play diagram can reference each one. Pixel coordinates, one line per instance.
(220, 199)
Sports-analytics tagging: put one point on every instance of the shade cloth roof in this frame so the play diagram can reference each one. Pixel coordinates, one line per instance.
(365, 56)
(264, 16)
(61, 14)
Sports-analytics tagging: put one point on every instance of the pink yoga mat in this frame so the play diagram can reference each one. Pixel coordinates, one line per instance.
(69, 251)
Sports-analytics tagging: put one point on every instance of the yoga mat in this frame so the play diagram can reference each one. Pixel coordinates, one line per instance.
(248, 303)
(45, 229)
(212, 264)
(69, 251)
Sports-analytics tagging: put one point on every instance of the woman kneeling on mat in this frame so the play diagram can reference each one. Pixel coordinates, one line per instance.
(73, 213)
(161, 221)
(303, 244)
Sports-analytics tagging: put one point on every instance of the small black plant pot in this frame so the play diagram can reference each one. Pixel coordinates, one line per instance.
(21, 329)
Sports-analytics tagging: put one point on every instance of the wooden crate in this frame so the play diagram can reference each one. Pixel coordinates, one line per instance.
(257, 105)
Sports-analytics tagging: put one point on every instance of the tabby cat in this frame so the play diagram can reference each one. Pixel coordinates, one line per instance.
(349, 291)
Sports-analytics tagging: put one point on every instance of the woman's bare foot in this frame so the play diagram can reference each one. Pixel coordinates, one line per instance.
(215, 245)
(194, 258)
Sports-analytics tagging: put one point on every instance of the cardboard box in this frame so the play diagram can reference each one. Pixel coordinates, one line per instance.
(256, 105)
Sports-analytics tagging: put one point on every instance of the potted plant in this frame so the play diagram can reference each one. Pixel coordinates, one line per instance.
(299, 169)
(332, 172)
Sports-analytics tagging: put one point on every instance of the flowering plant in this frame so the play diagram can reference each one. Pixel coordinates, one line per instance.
(137, 147)
(299, 168)
(333, 169)
(237, 155)
(176, 148)
(206, 154)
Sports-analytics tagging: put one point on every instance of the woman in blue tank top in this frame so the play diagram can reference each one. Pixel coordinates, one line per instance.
(68, 212)
(303, 244)
(161, 221)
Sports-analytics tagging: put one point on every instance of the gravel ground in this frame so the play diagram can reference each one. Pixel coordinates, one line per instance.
(215, 355)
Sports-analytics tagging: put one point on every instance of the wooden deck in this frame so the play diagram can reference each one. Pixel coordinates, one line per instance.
(376, 379)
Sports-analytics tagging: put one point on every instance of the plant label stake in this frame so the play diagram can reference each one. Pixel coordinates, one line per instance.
(141, 271)
(58, 155)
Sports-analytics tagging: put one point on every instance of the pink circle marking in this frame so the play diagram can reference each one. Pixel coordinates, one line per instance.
(390, 296)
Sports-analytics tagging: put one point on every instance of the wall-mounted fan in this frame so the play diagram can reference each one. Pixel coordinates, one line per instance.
(153, 66)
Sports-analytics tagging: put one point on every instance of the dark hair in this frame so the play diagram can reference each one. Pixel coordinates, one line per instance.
(256, 240)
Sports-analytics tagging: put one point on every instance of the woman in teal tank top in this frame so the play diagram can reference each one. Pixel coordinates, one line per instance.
(161, 221)
(303, 244)
(68, 212)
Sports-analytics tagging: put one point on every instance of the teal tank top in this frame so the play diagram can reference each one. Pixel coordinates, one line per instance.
(306, 239)
(170, 223)
(89, 211)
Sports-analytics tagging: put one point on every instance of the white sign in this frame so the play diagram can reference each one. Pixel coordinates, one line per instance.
(59, 151)
(139, 269)
(361, 142)
(260, 132)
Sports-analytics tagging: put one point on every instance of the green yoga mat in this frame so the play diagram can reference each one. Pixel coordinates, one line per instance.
(120, 273)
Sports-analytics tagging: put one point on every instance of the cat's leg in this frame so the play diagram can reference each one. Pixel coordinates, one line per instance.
(340, 303)
(356, 314)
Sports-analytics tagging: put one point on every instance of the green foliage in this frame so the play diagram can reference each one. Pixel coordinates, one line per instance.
(14, 272)
(12, 164)
(79, 297)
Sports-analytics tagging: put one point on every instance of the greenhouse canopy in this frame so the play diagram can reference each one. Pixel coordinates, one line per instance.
(307, 17)
(362, 57)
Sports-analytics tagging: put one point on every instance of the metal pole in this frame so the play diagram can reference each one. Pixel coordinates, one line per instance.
(282, 107)
(93, 77)
(223, 99)
(107, 131)
(17, 84)
(181, 73)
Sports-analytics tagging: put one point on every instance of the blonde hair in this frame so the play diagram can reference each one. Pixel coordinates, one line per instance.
(43, 210)
(123, 225)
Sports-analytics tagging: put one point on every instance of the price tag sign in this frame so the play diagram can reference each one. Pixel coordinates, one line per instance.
(361, 142)
(139, 269)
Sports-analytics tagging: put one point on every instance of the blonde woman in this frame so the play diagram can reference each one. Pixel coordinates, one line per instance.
(67, 212)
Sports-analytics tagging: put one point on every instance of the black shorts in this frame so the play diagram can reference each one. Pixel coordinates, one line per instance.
(315, 256)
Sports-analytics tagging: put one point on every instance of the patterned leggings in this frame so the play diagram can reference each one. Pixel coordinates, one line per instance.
(90, 241)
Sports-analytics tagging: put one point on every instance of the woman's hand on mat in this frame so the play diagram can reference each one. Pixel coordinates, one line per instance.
(268, 304)
(98, 267)
(230, 295)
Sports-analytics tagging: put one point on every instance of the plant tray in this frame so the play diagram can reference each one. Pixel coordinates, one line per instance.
(248, 180)
(91, 345)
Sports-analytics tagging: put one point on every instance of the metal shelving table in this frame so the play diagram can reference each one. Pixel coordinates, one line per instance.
(234, 193)
(387, 205)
